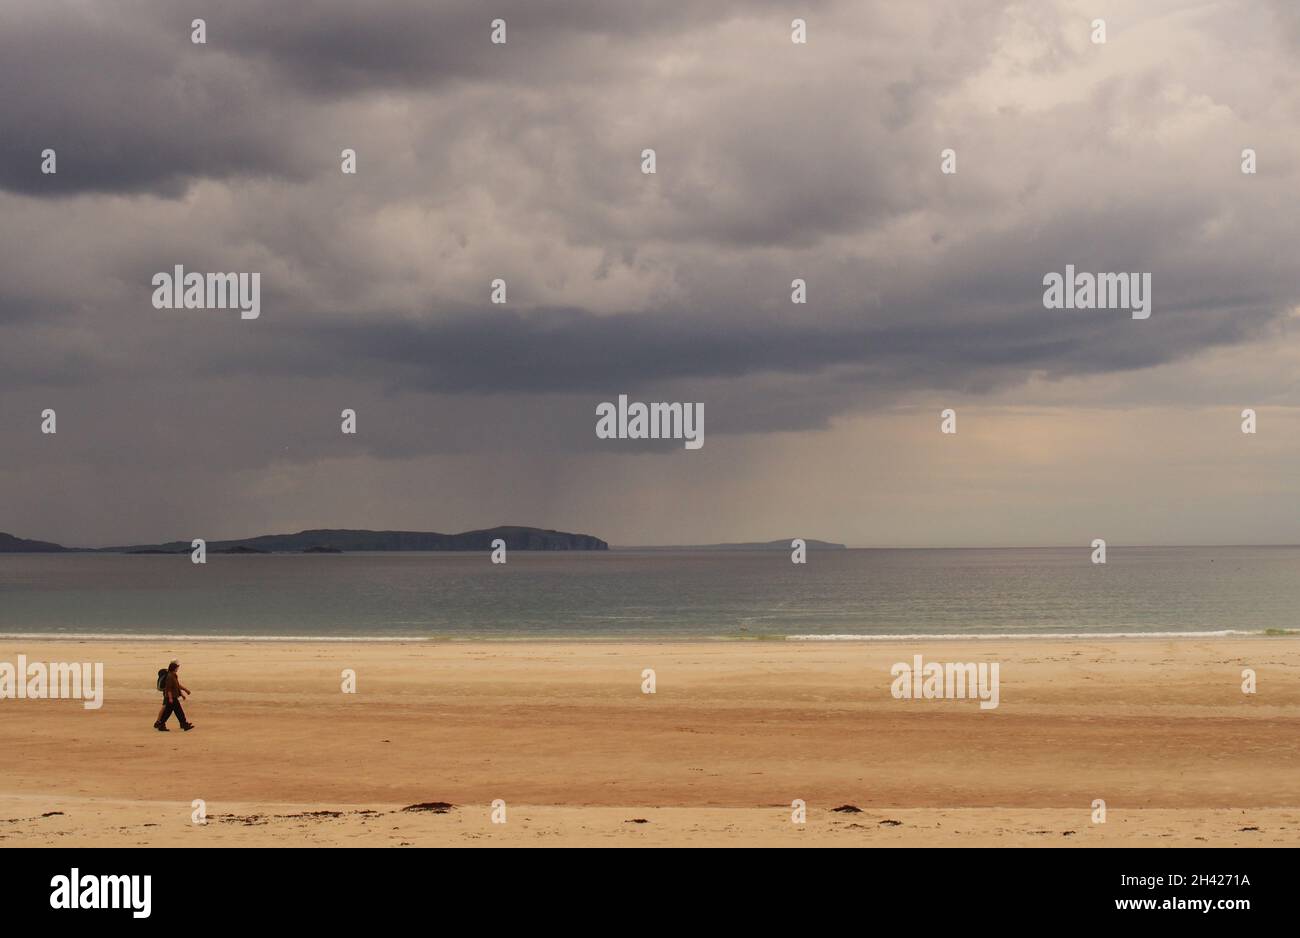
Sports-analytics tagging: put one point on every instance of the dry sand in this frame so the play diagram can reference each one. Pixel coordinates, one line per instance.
(736, 731)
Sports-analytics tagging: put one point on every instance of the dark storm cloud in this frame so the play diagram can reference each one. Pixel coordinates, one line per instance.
(129, 104)
(340, 48)
(521, 161)
(560, 351)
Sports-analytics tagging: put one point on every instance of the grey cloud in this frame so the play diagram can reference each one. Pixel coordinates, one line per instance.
(130, 105)
(775, 162)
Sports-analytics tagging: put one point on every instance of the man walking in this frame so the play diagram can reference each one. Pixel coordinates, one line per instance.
(173, 693)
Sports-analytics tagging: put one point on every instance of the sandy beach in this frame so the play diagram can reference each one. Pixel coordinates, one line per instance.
(735, 732)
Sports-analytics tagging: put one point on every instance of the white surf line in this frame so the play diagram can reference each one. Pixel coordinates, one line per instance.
(948, 636)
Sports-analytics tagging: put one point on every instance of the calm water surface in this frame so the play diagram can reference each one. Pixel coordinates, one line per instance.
(652, 594)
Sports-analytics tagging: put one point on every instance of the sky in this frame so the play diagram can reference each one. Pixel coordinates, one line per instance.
(774, 161)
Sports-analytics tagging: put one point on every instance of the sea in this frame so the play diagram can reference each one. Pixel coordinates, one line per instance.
(662, 595)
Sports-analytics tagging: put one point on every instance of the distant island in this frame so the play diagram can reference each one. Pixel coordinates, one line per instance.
(334, 541)
(811, 543)
(17, 545)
